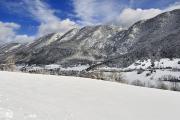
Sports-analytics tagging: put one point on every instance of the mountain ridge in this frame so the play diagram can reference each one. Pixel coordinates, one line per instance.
(154, 38)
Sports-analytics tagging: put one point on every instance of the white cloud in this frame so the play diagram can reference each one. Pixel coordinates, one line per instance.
(23, 38)
(8, 33)
(41, 12)
(172, 7)
(49, 22)
(129, 16)
(114, 12)
(96, 11)
(56, 26)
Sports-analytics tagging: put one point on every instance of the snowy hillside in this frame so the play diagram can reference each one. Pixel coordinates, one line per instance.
(164, 63)
(43, 97)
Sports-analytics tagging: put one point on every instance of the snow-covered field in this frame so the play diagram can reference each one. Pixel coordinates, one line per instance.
(45, 97)
(53, 66)
(131, 76)
(162, 63)
(143, 71)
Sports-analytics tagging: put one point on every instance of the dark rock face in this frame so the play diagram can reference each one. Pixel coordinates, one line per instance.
(155, 38)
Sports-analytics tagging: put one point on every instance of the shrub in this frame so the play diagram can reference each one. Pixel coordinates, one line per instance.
(136, 64)
(95, 75)
(162, 85)
(140, 71)
(171, 58)
(143, 64)
(120, 79)
(148, 74)
(174, 82)
(138, 83)
(168, 67)
(175, 86)
(169, 78)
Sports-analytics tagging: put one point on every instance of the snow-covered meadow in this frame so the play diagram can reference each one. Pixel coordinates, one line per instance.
(164, 63)
(151, 73)
(46, 97)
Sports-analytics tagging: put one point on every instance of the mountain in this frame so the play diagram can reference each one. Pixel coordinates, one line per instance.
(112, 46)
(18, 51)
(155, 38)
(77, 46)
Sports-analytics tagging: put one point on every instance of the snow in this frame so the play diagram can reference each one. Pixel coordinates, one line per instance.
(45, 42)
(140, 64)
(162, 63)
(131, 76)
(52, 66)
(76, 68)
(45, 97)
(70, 35)
(135, 30)
(53, 38)
(14, 47)
(132, 36)
(31, 68)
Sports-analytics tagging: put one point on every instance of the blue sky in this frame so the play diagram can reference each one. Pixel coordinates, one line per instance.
(29, 19)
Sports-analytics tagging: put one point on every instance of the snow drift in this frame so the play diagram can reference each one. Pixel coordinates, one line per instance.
(46, 97)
